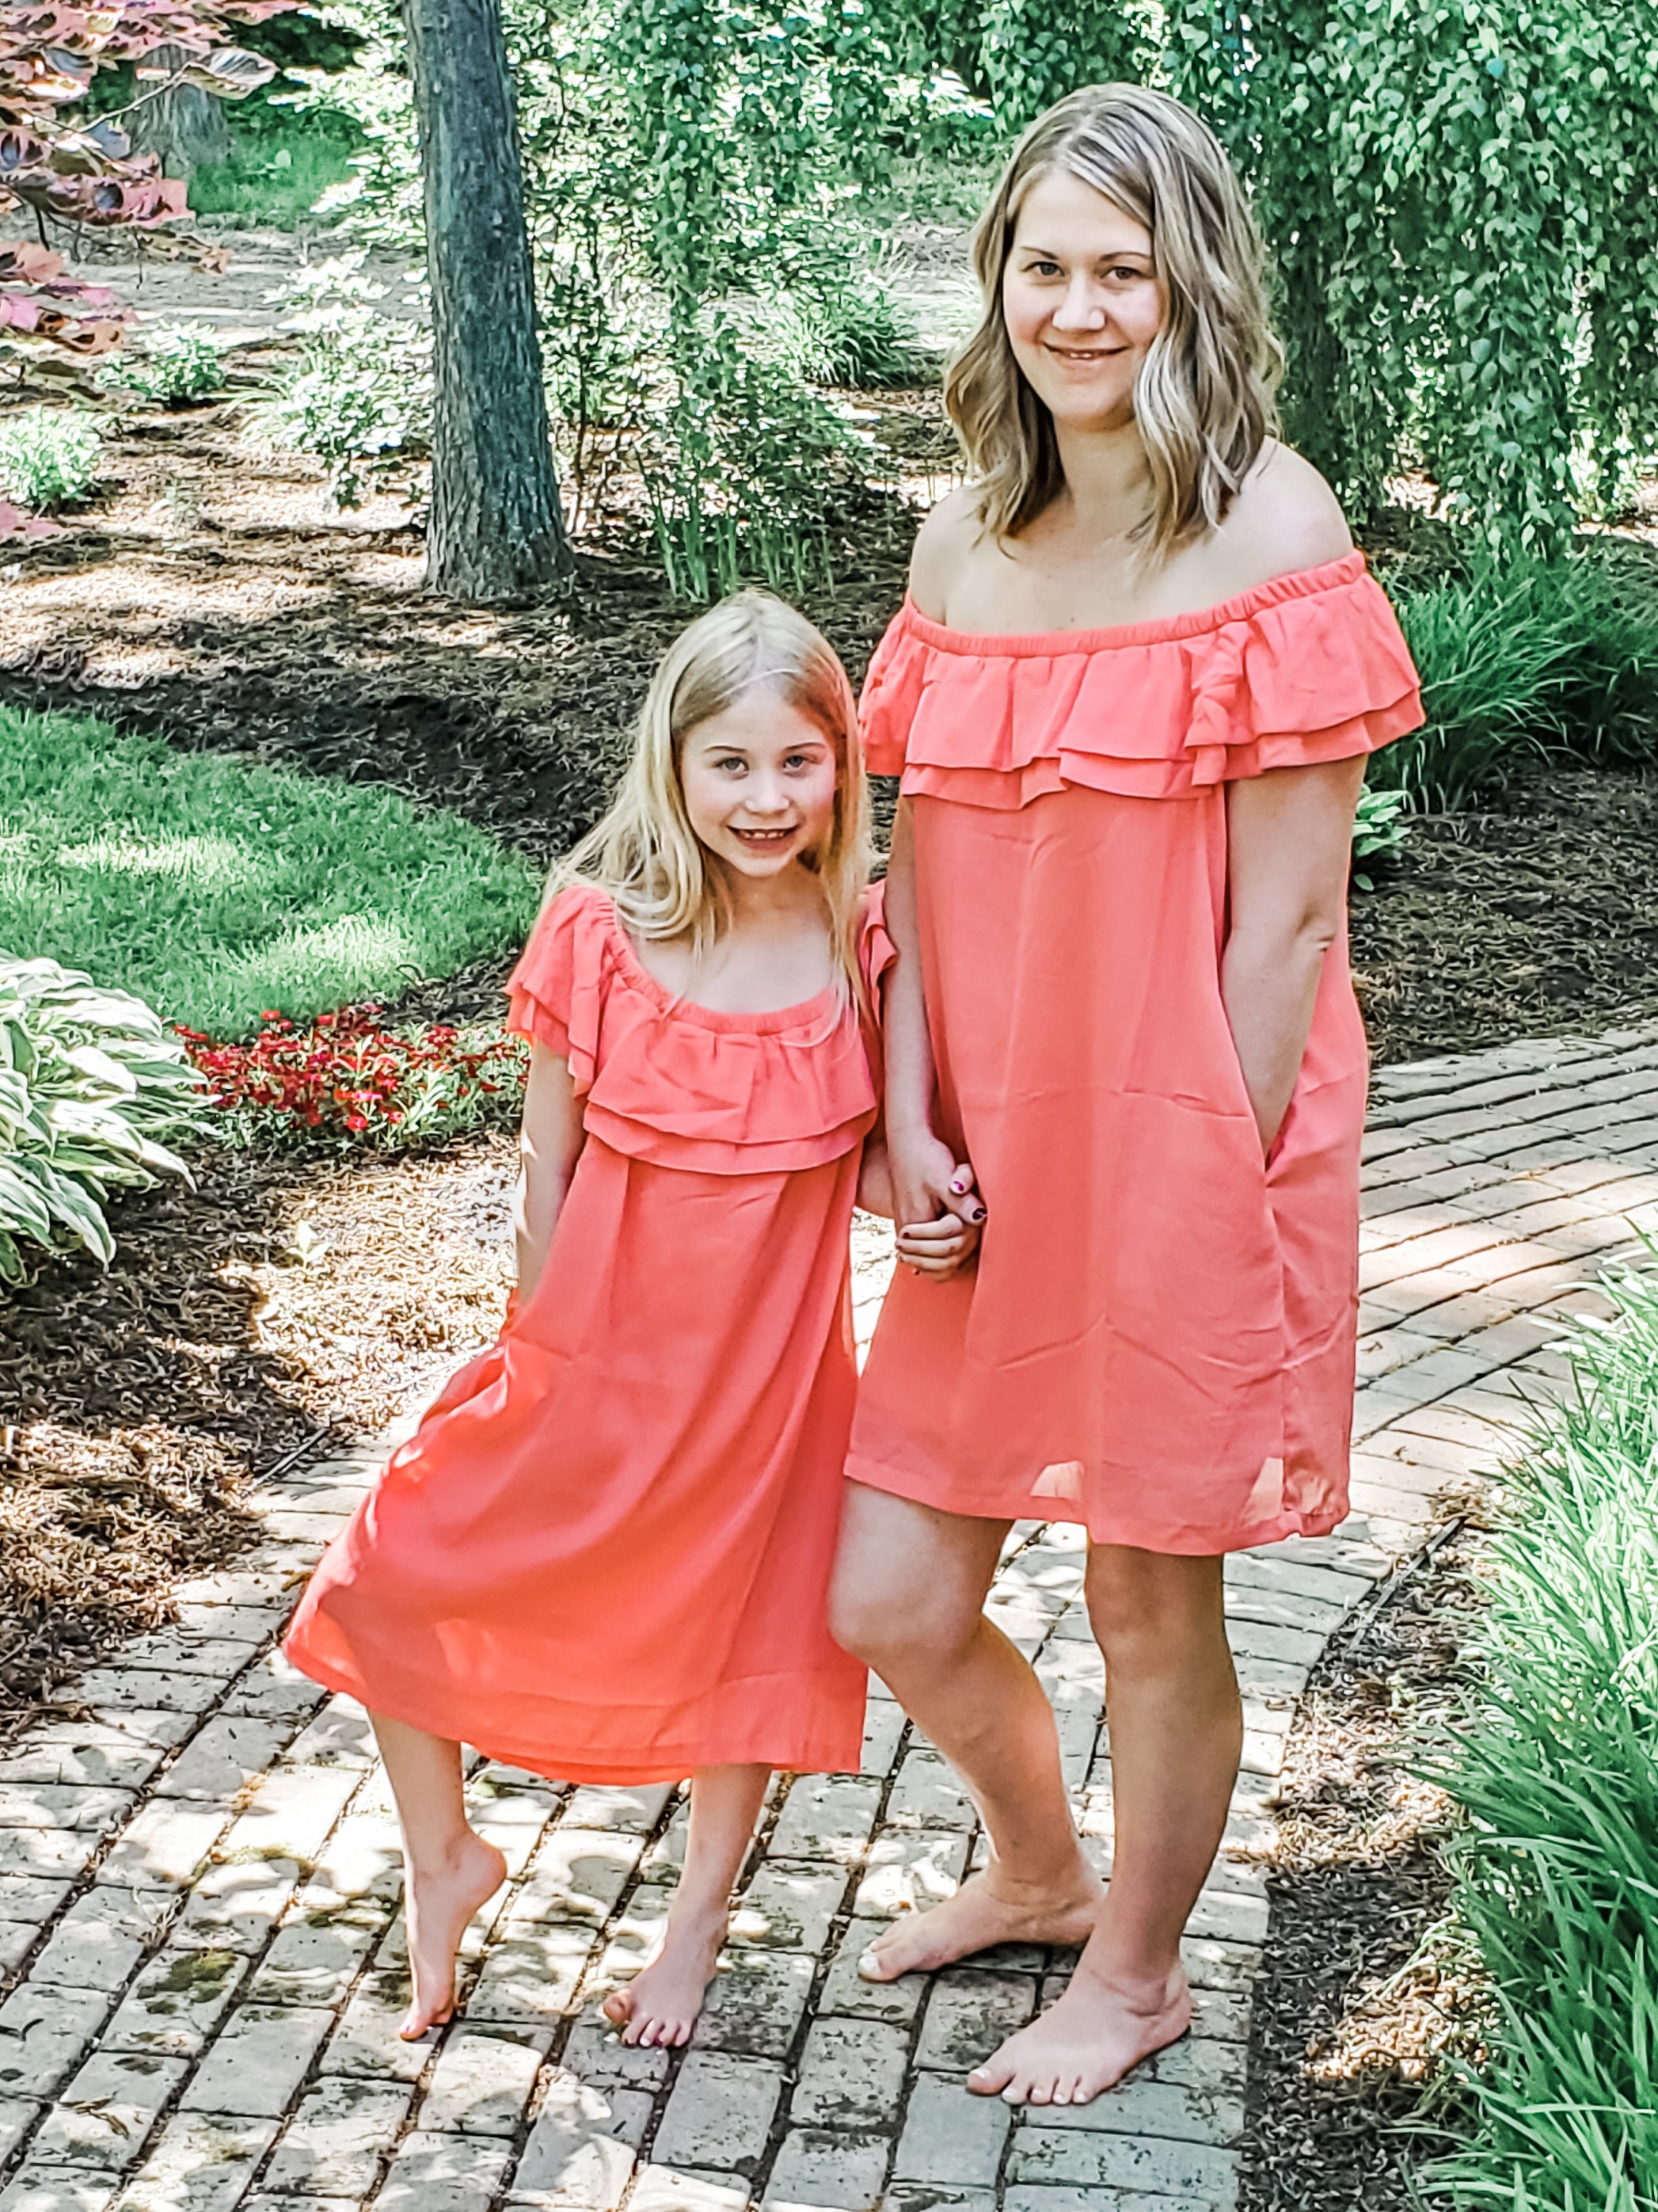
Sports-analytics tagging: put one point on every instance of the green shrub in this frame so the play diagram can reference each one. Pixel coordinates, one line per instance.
(218, 889)
(1522, 658)
(89, 1083)
(360, 398)
(1556, 1766)
(48, 457)
(861, 336)
(169, 368)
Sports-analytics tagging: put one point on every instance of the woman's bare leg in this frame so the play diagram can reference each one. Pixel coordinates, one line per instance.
(661, 2003)
(909, 1588)
(1177, 1736)
(449, 1871)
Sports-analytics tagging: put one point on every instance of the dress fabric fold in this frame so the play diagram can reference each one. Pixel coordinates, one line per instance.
(604, 1554)
(1157, 1340)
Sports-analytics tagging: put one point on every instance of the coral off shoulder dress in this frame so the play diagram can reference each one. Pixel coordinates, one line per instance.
(605, 1555)
(1157, 1340)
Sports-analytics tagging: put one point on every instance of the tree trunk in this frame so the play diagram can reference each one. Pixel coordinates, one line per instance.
(496, 527)
(184, 125)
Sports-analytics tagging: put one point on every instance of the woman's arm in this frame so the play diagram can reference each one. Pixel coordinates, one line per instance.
(550, 1143)
(1290, 845)
(933, 1201)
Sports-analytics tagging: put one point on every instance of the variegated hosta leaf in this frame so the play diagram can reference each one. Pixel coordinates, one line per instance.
(90, 1080)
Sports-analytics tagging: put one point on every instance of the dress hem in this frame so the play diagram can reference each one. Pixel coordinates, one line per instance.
(1102, 1528)
(734, 1750)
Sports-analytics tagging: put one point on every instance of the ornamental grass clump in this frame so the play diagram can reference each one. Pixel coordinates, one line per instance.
(1556, 1770)
(345, 1079)
(1522, 659)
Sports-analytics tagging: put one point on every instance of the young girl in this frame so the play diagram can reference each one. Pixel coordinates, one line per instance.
(605, 1554)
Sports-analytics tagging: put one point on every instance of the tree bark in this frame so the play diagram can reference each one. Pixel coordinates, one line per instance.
(184, 125)
(496, 528)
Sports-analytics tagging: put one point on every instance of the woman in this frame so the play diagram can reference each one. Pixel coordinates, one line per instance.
(1131, 693)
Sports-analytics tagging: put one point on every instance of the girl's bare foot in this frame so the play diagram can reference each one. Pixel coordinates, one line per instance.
(985, 1910)
(438, 1902)
(661, 2003)
(1084, 2044)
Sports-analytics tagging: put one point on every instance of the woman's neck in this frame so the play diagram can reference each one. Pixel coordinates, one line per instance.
(1107, 483)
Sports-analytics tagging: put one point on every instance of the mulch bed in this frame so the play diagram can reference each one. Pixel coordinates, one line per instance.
(1364, 1991)
(139, 1403)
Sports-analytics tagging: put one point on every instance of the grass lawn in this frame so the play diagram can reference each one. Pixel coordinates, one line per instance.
(274, 176)
(214, 889)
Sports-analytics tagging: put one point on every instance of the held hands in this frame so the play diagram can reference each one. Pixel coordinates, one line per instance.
(938, 1212)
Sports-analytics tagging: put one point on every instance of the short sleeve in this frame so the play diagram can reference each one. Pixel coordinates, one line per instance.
(877, 953)
(559, 970)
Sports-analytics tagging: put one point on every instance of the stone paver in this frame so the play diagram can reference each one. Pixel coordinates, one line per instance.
(199, 1879)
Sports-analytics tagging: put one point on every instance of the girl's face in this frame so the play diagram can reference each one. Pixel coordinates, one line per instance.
(1081, 301)
(759, 782)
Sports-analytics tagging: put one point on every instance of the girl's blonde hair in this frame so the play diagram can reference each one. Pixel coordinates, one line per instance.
(1203, 402)
(664, 882)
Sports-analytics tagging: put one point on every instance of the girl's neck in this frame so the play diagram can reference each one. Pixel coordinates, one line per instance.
(756, 902)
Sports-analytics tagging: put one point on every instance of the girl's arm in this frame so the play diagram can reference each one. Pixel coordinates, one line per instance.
(1289, 844)
(933, 1201)
(550, 1143)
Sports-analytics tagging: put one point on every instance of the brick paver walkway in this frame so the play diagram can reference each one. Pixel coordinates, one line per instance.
(199, 1879)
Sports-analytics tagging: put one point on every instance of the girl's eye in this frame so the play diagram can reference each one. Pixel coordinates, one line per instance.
(732, 761)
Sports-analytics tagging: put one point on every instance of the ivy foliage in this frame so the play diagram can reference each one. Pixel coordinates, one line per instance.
(1462, 199)
(1459, 196)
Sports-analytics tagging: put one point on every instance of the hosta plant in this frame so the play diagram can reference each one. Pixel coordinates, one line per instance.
(90, 1082)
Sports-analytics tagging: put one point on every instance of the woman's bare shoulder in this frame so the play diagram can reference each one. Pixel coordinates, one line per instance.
(1284, 518)
(943, 545)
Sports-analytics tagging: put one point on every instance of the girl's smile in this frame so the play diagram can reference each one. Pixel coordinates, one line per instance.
(760, 781)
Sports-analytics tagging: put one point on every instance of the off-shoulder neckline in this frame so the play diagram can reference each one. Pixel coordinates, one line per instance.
(1301, 584)
(712, 1018)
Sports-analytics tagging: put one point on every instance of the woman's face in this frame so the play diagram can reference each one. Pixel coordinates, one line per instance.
(1081, 301)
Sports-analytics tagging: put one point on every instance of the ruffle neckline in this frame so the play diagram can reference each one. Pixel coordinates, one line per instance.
(1304, 668)
(667, 1080)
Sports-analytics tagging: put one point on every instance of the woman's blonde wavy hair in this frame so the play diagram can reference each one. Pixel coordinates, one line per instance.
(1203, 403)
(664, 880)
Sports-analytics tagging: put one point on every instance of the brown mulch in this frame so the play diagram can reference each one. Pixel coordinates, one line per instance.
(1537, 916)
(138, 1404)
(1365, 1990)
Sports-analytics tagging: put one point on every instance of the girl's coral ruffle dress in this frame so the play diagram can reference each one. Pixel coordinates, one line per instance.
(605, 1554)
(1158, 1338)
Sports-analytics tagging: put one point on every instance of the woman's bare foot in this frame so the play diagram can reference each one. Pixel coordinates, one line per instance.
(438, 1903)
(1084, 2043)
(661, 2003)
(984, 1911)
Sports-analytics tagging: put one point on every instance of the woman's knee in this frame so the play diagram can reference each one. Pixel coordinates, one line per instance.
(1150, 1610)
(908, 1584)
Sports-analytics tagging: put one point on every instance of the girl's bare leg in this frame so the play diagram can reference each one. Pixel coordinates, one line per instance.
(661, 2003)
(1177, 1736)
(909, 1586)
(450, 1871)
